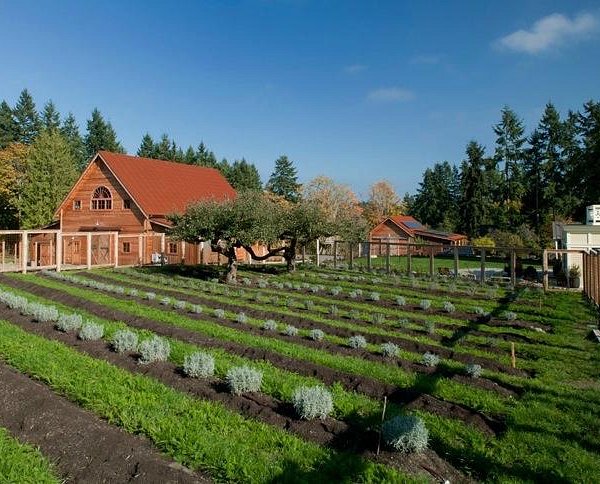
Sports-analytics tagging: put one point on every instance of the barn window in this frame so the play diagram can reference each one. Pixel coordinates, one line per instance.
(127, 204)
(126, 247)
(101, 199)
(172, 248)
(76, 204)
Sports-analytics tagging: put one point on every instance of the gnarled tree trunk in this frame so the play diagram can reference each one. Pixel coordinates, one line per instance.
(289, 254)
(231, 275)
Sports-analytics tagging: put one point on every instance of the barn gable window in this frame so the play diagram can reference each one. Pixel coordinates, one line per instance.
(101, 199)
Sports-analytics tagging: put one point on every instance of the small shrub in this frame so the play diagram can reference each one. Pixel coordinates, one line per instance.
(91, 332)
(150, 296)
(42, 313)
(378, 318)
(69, 322)
(124, 340)
(290, 330)
(374, 296)
(316, 334)
(274, 300)
(219, 313)
(179, 304)
(357, 342)
(241, 318)
(389, 350)
(243, 379)
(155, 349)
(359, 292)
(335, 291)
(263, 284)
(333, 310)
(509, 315)
(352, 294)
(473, 370)
(312, 402)
(309, 304)
(354, 314)
(199, 365)
(134, 292)
(430, 327)
(401, 301)
(315, 289)
(406, 433)
(165, 301)
(402, 323)
(425, 304)
(430, 359)
(196, 308)
(246, 281)
(449, 307)
(270, 325)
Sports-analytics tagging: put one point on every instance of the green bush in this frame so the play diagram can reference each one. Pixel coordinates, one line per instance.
(406, 433)
(69, 322)
(316, 334)
(243, 379)
(312, 402)
(199, 365)
(91, 332)
(430, 359)
(357, 342)
(155, 349)
(389, 350)
(124, 340)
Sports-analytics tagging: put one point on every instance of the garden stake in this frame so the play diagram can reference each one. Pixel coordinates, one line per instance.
(512, 355)
(382, 419)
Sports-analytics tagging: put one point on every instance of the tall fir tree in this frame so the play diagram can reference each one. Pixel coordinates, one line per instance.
(589, 169)
(50, 116)
(284, 180)
(8, 125)
(100, 135)
(243, 175)
(205, 157)
(474, 205)
(70, 131)
(27, 118)
(147, 148)
(51, 172)
(189, 157)
(510, 139)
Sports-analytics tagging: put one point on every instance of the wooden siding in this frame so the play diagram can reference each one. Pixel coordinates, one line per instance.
(126, 220)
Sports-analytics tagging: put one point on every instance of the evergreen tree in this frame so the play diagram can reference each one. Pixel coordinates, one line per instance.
(8, 126)
(510, 152)
(205, 157)
(51, 172)
(50, 116)
(243, 175)
(164, 148)
(27, 118)
(100, 135)
(70, 131)
(589, 169)
(284, 180)
(533, 168)
(474, 205)
(190, 158)
(147, 149)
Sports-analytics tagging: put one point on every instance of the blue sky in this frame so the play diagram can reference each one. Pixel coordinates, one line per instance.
(357, 91)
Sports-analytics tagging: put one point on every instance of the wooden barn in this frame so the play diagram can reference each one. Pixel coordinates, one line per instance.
(402, 230)
(117, 211)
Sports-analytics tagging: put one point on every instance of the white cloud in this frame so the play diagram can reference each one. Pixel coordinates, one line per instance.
(390, 94)
(355, 68)
(548, 32)
(425, 59)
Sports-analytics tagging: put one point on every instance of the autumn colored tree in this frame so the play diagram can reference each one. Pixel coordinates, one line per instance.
(13, 160)
(383, 202)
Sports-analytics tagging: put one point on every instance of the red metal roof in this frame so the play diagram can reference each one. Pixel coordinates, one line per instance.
(162, 187)
(414, 228)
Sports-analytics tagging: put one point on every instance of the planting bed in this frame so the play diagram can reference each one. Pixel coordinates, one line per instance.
(509, 424)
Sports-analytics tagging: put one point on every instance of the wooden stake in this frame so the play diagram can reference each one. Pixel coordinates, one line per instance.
(512, 355)
(382, 419)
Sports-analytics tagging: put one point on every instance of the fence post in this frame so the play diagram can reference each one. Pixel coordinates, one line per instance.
(303, 254)
(513, 267)
(59, 251)
(431, 263)
(387, 258)
(318, 260)
(408, 260)
(116, 248)
(545, 269)
(3, 254)
(482, 266)
(369, 256)
(24, 251)
(335, 254)
(455, 250)
(88, 259)
(351, 248)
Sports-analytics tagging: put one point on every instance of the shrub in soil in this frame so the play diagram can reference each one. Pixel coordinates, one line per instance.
(316, 334)
(401, 301)
(196, 308)
(374, 296)
(430, 327)
(155, 349)
(449, 307)
(430, 359)
(473, 370)
(150, 296)
(124, 340)
(333, 310)
(425, 304)
(69, 322)
(406, 433)
(199, 365)
(179, 304)
(270, 325)
(378, 318)
(509, 315)
(357, 342)
(91, 332)
(241, 318)
(290, 330)
(243, 379)
(389, 350)
(312, 402)
(220, 313)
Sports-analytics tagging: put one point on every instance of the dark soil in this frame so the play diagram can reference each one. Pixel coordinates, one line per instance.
(83, 447)
(330, 432)
(361, 384)
(411, 346)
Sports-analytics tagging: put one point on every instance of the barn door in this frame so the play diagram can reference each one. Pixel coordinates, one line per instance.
(101, 249)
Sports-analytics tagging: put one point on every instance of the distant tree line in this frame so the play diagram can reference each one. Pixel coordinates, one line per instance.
(529, 181)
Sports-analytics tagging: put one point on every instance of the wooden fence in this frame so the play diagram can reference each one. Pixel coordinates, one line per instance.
(591, 277)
